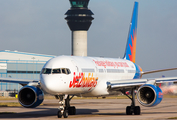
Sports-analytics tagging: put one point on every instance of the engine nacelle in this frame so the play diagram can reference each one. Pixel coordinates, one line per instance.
(30, 96)
(149, 95)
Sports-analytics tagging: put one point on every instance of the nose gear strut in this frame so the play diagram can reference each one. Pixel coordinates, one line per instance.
(64, 106)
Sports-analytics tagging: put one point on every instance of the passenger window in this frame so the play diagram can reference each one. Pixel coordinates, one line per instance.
(56, 71)
(46, 71)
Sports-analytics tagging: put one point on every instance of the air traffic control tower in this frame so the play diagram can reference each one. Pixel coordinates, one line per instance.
(79, 18)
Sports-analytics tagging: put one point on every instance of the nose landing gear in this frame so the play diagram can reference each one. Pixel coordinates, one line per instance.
(64, 106)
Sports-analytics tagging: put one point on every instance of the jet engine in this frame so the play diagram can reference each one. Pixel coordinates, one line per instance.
(30, 96)
(149, 95)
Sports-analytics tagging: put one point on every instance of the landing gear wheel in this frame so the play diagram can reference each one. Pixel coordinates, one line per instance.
(128, 110)
(64, 106)
(59, 114)
(137, 110)
(65, 114)
(72, 110)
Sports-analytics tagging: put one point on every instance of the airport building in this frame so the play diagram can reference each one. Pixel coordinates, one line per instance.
(20, 65)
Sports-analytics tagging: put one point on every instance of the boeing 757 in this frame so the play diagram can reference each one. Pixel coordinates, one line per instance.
(69, 76)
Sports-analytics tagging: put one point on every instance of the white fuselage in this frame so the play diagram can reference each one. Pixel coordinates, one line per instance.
(86, 76)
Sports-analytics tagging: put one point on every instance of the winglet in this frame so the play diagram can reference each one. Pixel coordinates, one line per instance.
(130, 51)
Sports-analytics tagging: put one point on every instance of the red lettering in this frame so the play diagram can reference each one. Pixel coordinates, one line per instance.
(111, 64)
(82, 81)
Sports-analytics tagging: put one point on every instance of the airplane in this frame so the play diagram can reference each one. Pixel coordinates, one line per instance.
(69, 76)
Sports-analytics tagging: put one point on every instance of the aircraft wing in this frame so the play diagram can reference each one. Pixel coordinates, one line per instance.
(20, 81)
(161, 70)
(136, 83)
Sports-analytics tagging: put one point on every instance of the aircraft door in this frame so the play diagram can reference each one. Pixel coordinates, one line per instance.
(76, 69)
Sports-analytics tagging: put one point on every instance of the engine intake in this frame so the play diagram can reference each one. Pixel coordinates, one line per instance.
(30, 96)
(149, 95)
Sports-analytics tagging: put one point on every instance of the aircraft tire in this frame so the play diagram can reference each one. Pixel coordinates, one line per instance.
(59, 114)
(137, 110)
(65, 114)
(128, 110)
(72, 110)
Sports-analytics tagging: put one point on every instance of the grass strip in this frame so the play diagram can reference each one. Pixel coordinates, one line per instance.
(7, 112)
(9, 104)
(173, 118)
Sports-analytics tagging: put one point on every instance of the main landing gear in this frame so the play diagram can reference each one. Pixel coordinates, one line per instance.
(132, 109)
(65, 109)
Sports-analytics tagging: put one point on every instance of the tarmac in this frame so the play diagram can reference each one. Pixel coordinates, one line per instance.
(94, 109)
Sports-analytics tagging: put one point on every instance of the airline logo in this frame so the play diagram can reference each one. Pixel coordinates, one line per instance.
(81, 81)
(132, 47)
(111, 64)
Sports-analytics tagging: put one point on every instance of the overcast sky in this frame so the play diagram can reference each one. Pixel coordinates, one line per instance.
(38, 26)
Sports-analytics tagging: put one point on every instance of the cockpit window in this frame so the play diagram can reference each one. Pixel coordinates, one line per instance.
(68, 71)
(56, 71)
(63, 70)
(46, 71)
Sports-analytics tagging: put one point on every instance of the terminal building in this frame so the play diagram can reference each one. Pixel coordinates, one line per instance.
(20, 65)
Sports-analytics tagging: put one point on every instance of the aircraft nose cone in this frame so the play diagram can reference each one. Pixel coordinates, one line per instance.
(47, 83)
